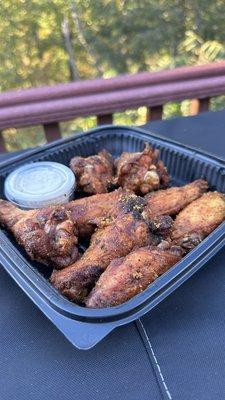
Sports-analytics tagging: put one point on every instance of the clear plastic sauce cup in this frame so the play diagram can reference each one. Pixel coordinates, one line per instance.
(40, 184)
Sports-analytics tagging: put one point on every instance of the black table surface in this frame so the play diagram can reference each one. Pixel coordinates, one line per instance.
(177, 351)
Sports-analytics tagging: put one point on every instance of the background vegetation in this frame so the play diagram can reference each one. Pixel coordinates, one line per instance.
(50, 41)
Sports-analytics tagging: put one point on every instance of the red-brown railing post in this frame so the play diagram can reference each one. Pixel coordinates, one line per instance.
(204, 104)
(154, 113)
(104, 119)
(52, 131)
(199, 105)
(2, 143)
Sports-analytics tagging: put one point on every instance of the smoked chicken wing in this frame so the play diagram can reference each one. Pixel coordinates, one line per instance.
(86, 211)
(127, 276)
(117, 239)
(198, 220)
(171, 201)
(141, 172)
(94, 173)
(48, 235)
(112, 241)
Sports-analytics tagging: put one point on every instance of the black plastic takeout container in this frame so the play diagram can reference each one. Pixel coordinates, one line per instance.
(85, 327)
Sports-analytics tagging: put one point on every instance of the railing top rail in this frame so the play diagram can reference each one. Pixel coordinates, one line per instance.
(99, 103)
(88, 87)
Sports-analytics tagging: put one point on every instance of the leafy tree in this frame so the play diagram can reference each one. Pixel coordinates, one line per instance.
(50, 41)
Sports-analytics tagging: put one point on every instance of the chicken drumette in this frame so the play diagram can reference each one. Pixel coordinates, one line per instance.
(127, 276)
(111, 241)
(198, 220)
(171, 201)
(94, 174)
(141, 172)
(48, 235)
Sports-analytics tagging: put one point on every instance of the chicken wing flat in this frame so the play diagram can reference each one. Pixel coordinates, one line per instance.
(85, 211)
(198, 219)
(171, 201)
(127, 276)
(48, 235)
(117, 239)
(141, 172)
(94, 174)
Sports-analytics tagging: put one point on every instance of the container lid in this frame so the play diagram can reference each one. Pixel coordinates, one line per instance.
(40, 184)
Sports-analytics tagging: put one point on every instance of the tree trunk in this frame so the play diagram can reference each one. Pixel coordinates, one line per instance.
(82, 38)
(74, 75)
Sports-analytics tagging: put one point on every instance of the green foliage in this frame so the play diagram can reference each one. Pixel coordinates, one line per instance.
(17, 139)
(49, 41)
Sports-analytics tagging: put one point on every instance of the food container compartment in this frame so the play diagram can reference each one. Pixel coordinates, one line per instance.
(86, 327)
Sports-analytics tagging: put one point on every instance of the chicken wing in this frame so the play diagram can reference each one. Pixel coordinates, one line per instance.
(94, 174)
(109, 242)
(171, 201)
(48, 235)
(86, 211)
(141, 172)
(127, 276)
(198, 220)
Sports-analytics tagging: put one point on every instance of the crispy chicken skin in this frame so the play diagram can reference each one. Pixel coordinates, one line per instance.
(141, 172)
(127, 276)
(35, 229)
(110, 241)
(94, 174)
(171, 201)
(107, 243)
(48, 235)
(198, 220)
(86, 211)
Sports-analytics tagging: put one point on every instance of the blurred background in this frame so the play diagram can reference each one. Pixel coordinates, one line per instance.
(45, 42)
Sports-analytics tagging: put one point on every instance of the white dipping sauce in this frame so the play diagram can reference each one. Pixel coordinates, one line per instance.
(40, 184)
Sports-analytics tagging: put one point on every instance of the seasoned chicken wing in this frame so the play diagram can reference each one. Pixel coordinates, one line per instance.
(48, 235)
(141, 172)
(171, 201)
(198, 219)
(117, 239)
(86, 211)
(112, 241)
(127, 276)
(94, 174)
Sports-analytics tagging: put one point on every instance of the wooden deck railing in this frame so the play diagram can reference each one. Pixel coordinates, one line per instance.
(49, 106)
